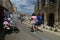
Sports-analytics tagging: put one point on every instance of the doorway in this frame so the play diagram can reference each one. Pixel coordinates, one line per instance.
(43, 18)
(51, 20)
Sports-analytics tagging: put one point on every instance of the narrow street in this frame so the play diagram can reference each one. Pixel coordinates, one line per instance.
(35, 11)
(26, 34)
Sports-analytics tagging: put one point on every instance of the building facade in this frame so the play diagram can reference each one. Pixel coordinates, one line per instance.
(50, 9)
(15, 9)
(7, 4)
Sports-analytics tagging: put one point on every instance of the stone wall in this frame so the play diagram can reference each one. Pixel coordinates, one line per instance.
(50, 8)
(7, 4)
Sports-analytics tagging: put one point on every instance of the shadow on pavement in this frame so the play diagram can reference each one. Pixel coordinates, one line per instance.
(2, 35)
(4, 32)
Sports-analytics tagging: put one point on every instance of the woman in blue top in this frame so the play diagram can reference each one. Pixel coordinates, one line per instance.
(40, 20)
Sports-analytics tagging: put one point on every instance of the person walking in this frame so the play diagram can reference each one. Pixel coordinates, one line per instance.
(40, 21)
(33, 21)
(6, 14)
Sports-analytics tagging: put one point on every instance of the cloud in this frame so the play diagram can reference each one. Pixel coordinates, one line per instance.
(26, 6)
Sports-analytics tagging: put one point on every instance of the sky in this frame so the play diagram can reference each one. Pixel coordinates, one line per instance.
(24, 6)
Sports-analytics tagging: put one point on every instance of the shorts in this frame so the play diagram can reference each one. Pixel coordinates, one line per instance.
(34, 24)
(39, 23)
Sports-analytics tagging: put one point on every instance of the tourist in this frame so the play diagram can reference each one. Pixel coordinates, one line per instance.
(33, 21)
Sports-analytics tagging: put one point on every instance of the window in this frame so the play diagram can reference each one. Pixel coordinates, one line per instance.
(43, 3)
(52, 1)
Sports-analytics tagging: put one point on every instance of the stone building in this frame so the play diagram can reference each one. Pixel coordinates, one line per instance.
(8, 4)
(5, 5)
(50, 9)
(15, 9)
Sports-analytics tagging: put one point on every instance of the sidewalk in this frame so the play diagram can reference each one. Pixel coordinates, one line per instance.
(50, 31)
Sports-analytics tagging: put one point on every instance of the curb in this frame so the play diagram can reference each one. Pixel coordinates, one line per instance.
(56, 33)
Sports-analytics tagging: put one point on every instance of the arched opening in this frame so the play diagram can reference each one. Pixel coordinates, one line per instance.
(51, 20)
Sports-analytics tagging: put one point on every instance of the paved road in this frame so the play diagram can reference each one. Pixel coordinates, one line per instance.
(25, 34)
